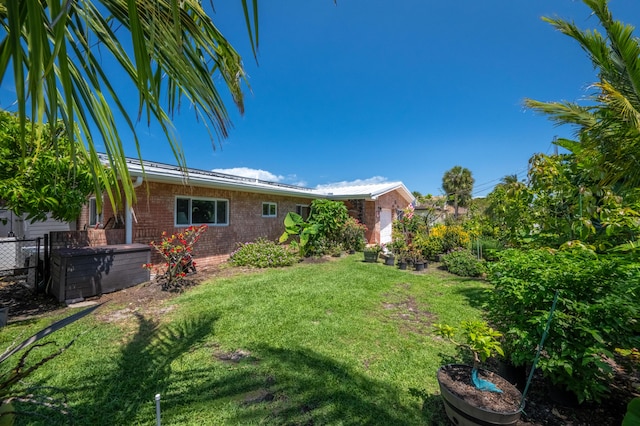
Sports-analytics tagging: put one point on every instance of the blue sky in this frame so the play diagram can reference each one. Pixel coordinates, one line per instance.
(372, 90)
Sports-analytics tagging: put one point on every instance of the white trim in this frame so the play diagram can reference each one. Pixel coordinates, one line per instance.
(190, 211)
(95, 218)
(270, 204)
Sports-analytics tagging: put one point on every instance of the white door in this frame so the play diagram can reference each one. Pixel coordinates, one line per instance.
(385, 226)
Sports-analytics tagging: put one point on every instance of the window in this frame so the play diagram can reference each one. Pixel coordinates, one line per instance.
(269, 210)
(303, 211)
(198, 211)
(94, 217)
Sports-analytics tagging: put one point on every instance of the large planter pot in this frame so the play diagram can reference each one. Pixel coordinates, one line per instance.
(4, 316)
(461, 409)
(370, 256)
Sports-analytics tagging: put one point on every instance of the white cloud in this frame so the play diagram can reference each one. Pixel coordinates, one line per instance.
(251, 173)
(370, 181)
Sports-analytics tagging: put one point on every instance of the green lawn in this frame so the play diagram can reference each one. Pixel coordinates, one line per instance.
(340, 342)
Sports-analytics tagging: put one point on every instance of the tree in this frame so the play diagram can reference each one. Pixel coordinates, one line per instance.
(457, 184)
(509, 209)
(45, 178)
(170, 50)
(608, 127)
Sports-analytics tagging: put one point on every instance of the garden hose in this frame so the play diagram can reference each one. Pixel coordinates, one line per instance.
(535, 361)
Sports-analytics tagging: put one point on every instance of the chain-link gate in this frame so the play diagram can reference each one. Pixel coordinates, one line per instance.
(23, 260)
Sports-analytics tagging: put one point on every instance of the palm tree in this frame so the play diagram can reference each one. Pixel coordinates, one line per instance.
(170, 49)
(608, 129)
(457, 184)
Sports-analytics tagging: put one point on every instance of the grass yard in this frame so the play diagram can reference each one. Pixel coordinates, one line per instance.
(338, 342)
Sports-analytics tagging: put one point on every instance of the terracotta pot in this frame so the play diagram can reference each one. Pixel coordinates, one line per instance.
(462, 413)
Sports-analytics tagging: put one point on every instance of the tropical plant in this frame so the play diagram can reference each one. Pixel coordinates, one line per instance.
(330, 217)
(47, 177)
(322, 232)
(457, 184)
(295, 225)
(509, 210)
(608, 134)
(170, 50)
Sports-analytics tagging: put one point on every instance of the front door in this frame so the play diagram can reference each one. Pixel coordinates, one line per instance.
(385, 226)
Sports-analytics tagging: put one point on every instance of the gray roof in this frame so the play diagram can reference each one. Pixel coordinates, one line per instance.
(167, 173)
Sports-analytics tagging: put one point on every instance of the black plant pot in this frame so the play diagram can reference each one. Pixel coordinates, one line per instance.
(419, 266)
(389, 260)
(462, 413)
(402, 265)
(371, 257)
(517, 376)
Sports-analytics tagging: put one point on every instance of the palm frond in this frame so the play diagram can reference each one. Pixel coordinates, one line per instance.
(170, 50)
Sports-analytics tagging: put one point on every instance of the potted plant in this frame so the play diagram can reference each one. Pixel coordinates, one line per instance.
(388, 254)
(371, 252)
(398, 246)
(471, 395)
(416, 257)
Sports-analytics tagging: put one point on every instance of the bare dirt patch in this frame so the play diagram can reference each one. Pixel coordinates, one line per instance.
(404, 310)
(146, 298)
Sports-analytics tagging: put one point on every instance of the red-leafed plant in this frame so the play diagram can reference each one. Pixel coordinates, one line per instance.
(176, 250)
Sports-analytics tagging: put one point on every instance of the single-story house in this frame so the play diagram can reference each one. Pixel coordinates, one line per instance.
(237, 209)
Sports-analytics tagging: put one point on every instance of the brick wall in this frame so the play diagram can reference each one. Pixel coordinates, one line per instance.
(154, 213)
(87, 238)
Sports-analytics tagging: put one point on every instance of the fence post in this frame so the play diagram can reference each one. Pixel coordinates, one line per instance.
(46, 272)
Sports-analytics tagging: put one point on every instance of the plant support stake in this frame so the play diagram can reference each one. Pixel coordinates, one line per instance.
(158, 409)
(535, 361)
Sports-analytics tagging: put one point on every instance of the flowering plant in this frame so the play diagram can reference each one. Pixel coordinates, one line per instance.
(176, 250)
(373, 248)
(353, 234)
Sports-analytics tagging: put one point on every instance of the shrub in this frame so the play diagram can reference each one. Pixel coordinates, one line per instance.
(353, 235)
(463, 263)
(431, 247)
(597, 312)
(176, 251)
(263, 253)
(451, 236)
(330, 216)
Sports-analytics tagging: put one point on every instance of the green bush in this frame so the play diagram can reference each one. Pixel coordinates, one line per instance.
(597, 312)
(464, 263)
(263, 253)
(431, 247)
(353, 235)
